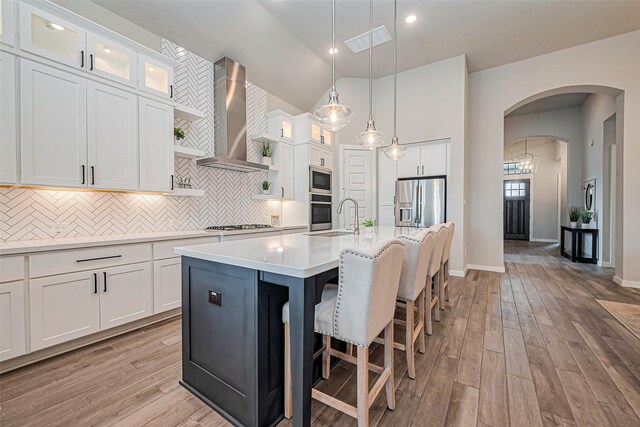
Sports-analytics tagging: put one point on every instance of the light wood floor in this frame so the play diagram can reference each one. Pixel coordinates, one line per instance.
(530, 347)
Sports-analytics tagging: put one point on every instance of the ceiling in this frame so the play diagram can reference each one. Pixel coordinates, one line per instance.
(285, 43)
(553, 102)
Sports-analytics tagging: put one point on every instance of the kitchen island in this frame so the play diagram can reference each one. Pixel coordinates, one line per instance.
(233, 337)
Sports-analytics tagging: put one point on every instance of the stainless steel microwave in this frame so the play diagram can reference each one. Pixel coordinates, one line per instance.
(319, 180)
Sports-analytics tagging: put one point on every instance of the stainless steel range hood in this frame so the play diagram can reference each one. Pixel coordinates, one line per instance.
(230, 119)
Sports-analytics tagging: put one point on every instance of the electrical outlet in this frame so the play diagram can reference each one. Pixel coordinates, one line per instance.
(59, 227)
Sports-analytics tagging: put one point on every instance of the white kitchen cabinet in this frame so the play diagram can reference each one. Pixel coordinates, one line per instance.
(386, 179)
(12, 320)
(112, 60)
(424, 160)
(53, 126)
(8, 137)
(409, 164)
(307, 129)
(387, 216)
(155, 77)
(282, 178)
(280, 125)
(167, 284)
(156, 145)
(112, 138)
(63, 307)
(319, 156)
(7, 22)
(326, 137)
(126, 294)
(49, 36)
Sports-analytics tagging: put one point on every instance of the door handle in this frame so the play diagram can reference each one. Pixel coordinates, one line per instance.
(91, 62)
(83, 175)
(104, 276)
(93, 176)
(82, 59)
(95, 283)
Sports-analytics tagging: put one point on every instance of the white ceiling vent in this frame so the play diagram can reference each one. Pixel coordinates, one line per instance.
(361, 42)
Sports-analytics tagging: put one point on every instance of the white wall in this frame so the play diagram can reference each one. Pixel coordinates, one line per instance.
(544, 185)
(612, 62)
(276, 103)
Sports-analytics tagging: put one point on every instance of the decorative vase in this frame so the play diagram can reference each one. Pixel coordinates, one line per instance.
(574, 224)
(266, 192)
(587, 225)
(266, 161)
(368, 231)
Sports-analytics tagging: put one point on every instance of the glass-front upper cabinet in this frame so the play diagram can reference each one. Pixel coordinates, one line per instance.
(326, 137)
(280, 125)
(111, 60)
(7, 22)
(155, 77)
(315, 132)
(49, 36)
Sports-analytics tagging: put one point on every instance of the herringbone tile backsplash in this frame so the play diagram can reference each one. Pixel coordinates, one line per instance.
(31, 214)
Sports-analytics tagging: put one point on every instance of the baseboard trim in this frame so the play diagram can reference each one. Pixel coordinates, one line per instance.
(626, 283)
(458, 273)
(492, 268)
(545, 240)
(607, 264)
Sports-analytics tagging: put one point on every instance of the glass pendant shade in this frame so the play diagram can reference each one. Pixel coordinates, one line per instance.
(333, 115)
(395, 151)
(371, 138)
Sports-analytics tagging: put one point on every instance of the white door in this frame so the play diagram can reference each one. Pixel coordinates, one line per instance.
(409, 164)
(126, 294)
(7, 19)
(357, 184)
(8, 137)
(386, 179)
(112, 60)
(63, 307)
(112, 137)
(12, 321)
(155, 77)
(47, 35)
(156, 145)
(53, 107)
(433, 158)
(167, 284)
(387, 215)
(284, 180)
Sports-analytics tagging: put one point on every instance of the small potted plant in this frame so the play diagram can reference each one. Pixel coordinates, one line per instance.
(574, 216)
(178, 133)
(266, 151)
(266, 185)
(586, 217)
(368, 223)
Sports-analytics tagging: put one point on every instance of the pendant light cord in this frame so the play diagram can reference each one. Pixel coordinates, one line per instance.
(333, 35)
(370, 58)
(395, 65)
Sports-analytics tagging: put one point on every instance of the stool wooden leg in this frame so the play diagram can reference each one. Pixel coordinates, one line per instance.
(350, 349)
(421, 307)
(411, 368)
(436, 289)
(429, 296)
(362, 375)
(288, 402)
(441, 292)
(390, 388)
(326, 358)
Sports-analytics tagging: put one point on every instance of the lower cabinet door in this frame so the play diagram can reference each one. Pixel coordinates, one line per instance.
(126, 294)
(12, 321)
(387, 215)
(167, 284)
(63, 307)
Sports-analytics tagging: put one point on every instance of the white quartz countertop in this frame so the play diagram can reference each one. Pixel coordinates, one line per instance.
(16, 247)
(296, 255)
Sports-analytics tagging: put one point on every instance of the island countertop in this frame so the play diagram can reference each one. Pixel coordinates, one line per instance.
(295, 255)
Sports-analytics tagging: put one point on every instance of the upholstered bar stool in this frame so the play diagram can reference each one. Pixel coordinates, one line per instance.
(356, 311)
(444, 263)
(433, 276)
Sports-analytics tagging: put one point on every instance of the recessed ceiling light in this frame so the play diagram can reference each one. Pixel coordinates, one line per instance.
(54, 26)
(333, 51)
(410, 19)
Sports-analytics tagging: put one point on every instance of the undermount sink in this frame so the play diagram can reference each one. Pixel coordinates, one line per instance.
(333, 233)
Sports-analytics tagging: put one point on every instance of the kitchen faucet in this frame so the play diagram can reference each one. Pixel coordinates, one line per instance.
(356, 226)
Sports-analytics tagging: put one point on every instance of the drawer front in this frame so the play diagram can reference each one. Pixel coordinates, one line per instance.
(11, 268)
(87, 259)
(249, 236)
(163, 250)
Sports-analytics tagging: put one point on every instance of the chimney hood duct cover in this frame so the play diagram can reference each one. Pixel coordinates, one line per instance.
(230, 119)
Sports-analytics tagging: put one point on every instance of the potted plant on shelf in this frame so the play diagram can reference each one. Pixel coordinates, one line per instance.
(368, 224)
(266, 185)
(266, 151)
(178, 133)
(586, 217)
(574, 216)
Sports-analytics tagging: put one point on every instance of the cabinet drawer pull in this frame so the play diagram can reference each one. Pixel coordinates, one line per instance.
(282, 191)
(104, 276)
(83, 175)
(82, 59)
(99, 258)
(171, 89)
(172, 179)
(95, 283)
(91, 62)
(93, 176)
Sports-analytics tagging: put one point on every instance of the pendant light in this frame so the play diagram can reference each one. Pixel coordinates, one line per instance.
(395, 150)
(333, 115)
(526, 162)
(371, 138)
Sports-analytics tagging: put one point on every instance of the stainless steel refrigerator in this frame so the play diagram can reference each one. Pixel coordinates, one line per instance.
(421, 202)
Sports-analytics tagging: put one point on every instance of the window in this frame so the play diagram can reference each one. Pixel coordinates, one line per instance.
(515, 168)
(514, 189)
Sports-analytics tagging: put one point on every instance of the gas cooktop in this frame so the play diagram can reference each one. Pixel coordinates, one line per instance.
(237, 227)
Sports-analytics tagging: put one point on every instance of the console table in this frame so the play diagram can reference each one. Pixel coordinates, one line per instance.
(577, 236)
